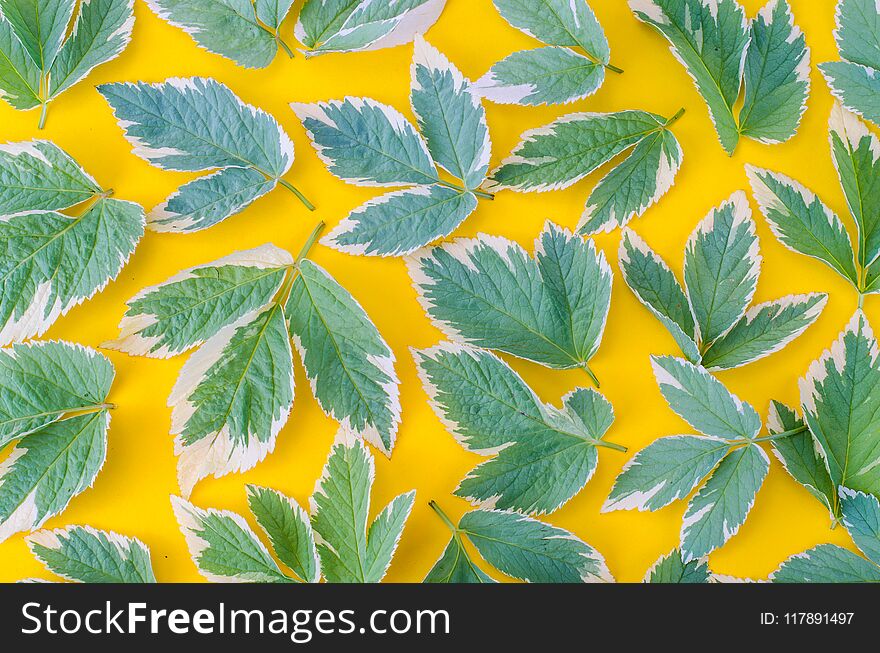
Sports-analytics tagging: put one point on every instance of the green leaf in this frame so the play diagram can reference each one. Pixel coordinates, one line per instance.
(843, 410)
(40, 176)
(799, 455)
(635, 185)
(456, 566)
(223, 546)
(532, 551)
(711, 40)
(666, 470)
(826, 563)
(672, 569)
(355, 26)
(721, 268)
(656, 286)
(550, 75)
(232, 398)
(856, 87)
(490, 293)
(289, 530)
(856, 153)
(193, 305)
(801, 222)
(399, 223)
(861, 517)
(764, 330)
(44, 382)
(19, 75)
(350, 366)
(367, 143)
(49, 467)
(702, 401)
(776, 76)
(721, 506)
(340, 511)
(562, 153)
(543, 455)
(273, 12)
(450, 116)
(101, 32)
(83, 554)
(558, 22)
(40, 25)
(226, 27)
(52, 262)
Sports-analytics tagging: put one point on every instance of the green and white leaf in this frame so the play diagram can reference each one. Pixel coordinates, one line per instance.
(456, 566)
(289, 530)
(842, 408)
(399, 223)
(543, 455)
(826, 563)
(49, 467)
(40, 25)
(488, 292)
(549, 75)
(273, 12)
(702, 401)
(710, 38)
(19, 76)
(861, 517)
(340, 507)
(801, 222)
(101, 32)
(226, 27)
(721, 268)
(856, 87)
(52, 262)
(672, 569)
(367, 143)
(450, 116)
(530, 550)
(562, 153)
(856, 153)
(232, 397)
(799, 454)
(721, 506)
(358, 26)
(764, 330)
(40, 176)
(193, 305)
(776, 76)
(634, 185)
(83, 554)
(558, 22)
(41, 383)
(656, 286)
(223, 546)
(198, 124)
(349, 365)
(666, 470)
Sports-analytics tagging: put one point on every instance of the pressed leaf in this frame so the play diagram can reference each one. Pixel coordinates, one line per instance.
(289, 530)
(856, 87)
(350, 366)
(83, 554)
(19, 75)
(450, 116)
(826, 563)
(52, 262)
(861, 516)
(350, 553)
(490, 293)
(232, 398)
(702, 401)
(532, 551)
(40, 25)
(721, 506)
(672, 569)
(192, 306)
(223, 546)
(842, 408)
(721, 268)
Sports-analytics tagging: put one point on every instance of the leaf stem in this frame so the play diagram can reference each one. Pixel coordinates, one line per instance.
(478, 193)
(770, 438)
(293, 189)
(611, 445)
(614, 69)
(861, 300)
(436, 508)
(43, 112)
(284, 46)
(675, 118)
(310, 242)
(591, 374)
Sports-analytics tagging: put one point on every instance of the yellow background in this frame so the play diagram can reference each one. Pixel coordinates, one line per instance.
(131, 494)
